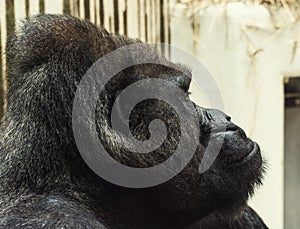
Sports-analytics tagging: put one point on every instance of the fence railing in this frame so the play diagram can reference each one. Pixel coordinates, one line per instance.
(147, 20)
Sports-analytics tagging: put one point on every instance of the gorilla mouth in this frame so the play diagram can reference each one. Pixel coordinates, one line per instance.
(252, 153)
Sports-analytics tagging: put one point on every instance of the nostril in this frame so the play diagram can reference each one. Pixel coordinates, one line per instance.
(232, 127)
(228, 118)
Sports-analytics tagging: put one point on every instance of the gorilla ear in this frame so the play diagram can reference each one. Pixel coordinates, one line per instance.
(182, 81)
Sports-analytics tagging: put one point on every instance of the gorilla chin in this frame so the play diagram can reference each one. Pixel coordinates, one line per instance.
(44, 181)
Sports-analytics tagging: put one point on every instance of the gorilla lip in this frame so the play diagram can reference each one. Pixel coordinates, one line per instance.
(255, 150)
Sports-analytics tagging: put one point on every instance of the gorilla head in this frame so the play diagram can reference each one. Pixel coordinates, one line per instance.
(44, 179)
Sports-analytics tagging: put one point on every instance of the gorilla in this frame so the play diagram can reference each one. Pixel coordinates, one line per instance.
(45, 182)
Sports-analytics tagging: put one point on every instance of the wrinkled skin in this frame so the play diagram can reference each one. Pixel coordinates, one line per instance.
(46, 184)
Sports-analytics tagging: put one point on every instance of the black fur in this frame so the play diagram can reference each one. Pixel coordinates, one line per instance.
(247, 218)
(44, 183)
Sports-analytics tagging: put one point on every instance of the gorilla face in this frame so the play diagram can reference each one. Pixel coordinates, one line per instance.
(40, 160)
(224, 187)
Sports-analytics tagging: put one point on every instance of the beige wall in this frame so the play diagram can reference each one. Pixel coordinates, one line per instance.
(249, 59)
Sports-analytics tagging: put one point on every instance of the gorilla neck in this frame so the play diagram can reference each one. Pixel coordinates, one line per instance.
(144, 207)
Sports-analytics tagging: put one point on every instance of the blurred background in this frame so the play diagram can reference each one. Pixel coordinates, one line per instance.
(251, 48)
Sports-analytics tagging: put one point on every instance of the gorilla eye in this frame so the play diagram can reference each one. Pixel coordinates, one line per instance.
(182, 82)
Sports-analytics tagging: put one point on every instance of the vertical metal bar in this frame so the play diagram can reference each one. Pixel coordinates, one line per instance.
(3, 39)
(10, 17)
(2, 82)
(27, 8)
(162, 22)
(87, 9)
(66, 7)
(116, 16)
(146, 21)
(101, 6)
(75, 8)
(125, 18)
(10, 28)
(169, 26)
(42, 6)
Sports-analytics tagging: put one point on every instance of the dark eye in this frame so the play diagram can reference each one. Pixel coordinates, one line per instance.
(181, 81)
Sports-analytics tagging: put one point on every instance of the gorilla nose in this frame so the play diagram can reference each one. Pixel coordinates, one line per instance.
(220, 122)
